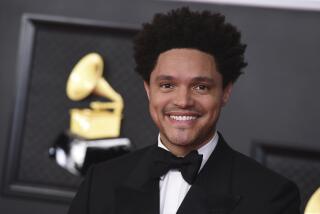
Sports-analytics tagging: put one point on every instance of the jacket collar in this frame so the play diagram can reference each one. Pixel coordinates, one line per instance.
(211, 192)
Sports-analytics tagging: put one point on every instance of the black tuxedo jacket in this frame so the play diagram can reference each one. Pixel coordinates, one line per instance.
(229, 183)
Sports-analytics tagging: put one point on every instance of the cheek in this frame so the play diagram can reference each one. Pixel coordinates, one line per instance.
(211, 106)
(155, 108)
(152, 110)
(158, 101)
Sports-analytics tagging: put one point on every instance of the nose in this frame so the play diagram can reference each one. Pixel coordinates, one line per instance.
(183, 98)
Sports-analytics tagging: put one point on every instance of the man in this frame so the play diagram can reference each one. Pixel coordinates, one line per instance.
(189, 62)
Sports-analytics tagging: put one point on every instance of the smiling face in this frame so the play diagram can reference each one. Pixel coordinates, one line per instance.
(185, 98)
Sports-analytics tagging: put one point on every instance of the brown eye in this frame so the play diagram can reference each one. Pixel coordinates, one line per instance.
(201, 87)
(166, 85)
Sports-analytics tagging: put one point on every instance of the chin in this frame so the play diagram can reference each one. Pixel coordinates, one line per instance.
(181, 140)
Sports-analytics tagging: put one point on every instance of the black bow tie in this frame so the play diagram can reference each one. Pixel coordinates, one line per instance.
(188, 165)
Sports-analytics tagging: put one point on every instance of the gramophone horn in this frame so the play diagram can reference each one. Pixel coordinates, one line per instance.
(85, 76)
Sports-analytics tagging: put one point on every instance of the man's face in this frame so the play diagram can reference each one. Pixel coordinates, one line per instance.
(185, 98)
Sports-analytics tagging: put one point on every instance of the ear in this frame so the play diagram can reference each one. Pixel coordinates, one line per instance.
(147, 88)
(226, 93)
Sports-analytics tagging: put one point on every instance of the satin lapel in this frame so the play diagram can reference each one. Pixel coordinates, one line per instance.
(140, 193)
(212, 192)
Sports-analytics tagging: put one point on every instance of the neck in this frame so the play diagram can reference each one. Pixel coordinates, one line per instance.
(179, 151)
(182, 150)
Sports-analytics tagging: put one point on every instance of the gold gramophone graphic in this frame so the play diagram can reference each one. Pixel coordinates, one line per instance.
(313, 205)
(94, 132)
(103, 120)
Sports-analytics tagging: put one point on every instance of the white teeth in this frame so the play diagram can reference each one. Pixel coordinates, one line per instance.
(183, 118)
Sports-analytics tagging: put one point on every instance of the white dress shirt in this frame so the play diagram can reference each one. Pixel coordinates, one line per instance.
(173, 188)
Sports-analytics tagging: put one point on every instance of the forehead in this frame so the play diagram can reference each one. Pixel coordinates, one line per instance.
(185, 63)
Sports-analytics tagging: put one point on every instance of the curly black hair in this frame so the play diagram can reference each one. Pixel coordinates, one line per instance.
(182, 28)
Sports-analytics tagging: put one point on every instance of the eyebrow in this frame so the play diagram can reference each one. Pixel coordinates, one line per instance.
(164, 77)
(195, 79)
(203, 79)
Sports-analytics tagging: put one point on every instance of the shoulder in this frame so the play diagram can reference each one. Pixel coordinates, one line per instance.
(119, 167)
(97, 190)
(247, 171)
(251, 169)
(261, 189)
(264, 187)
(251, 177)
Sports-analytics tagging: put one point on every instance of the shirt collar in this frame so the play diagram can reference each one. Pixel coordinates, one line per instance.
(204, 150)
